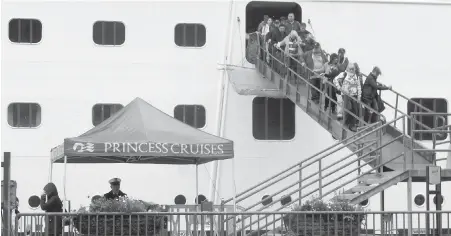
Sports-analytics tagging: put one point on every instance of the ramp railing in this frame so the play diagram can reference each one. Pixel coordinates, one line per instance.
(323, 180)
(298, 73)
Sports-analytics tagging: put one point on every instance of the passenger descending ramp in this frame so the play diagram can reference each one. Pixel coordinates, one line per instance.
(269, 80)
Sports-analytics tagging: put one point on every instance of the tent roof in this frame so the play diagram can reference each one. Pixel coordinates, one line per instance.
(140, 133)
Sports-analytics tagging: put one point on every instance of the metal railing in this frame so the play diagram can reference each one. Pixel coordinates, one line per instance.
(322, 173)
(440, 131)
(304, 74)
(336, 223)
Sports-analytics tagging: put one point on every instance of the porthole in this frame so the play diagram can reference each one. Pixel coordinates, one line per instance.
(285, 200)
(34, 201)
(180, 200)
(266, 200)
(441, 199)
(419, 200)
(200, 199)
(364, 203)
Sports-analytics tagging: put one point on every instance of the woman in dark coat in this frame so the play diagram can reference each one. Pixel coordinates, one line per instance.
(51, 202)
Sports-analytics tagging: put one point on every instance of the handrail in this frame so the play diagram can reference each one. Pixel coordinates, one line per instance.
(349, 181)
(318, 76)
(327, 167)
(333, 85)
(331, 172)
(342, 166)
(416, 104)
(270, 181)
(357, 134)
(343, 175)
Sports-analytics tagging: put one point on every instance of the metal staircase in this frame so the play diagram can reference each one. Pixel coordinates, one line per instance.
(382, 154)
(334, 172)
(276, 79)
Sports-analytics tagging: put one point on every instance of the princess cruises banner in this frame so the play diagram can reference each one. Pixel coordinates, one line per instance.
(126, 138)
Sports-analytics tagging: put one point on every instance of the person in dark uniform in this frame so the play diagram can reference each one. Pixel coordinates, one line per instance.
(115, 193)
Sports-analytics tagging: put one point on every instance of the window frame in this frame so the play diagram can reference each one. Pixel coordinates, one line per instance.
(29, 103)
(189, 105)
(24, 43)
(274, 140)
(190, 47)
(103, 104)
(419, 100)
(109, 45)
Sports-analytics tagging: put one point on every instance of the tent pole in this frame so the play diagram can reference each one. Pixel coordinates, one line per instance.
(50, 170)
(234, 185)
(64, 178)
(197, 184)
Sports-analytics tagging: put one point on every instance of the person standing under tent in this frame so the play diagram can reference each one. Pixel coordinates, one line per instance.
(115, 193)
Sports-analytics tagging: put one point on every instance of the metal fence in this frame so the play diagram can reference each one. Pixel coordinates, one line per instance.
(227, 224)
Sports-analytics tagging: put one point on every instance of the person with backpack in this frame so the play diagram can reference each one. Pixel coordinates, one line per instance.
(349, 85)
(331, 72)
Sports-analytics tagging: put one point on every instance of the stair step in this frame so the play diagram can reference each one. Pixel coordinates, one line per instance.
(361, 188)
(377, 178)
(346, 196)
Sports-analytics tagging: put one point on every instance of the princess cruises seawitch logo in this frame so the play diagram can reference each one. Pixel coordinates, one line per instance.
(80, 147)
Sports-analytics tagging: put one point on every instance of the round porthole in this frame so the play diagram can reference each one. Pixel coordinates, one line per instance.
(180, 200)
(266, 200)
(364, 203)
(285, 200)
(34, 201)
(200, 199)
(419, 200)
(441, 199)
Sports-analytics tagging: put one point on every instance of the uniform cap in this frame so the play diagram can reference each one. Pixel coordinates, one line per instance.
(115, 181)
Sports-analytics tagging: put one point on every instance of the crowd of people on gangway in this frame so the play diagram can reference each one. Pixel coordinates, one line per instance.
(287, 41)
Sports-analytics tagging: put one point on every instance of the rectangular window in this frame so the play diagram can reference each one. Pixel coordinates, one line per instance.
(108, 33)
(190, 35)
(439, 105)
(24, 115)
(101, 112)
(25, 31)
(193, 115)
(273, 118)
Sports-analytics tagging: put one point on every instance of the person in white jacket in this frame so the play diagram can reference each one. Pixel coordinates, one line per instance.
(349, 85)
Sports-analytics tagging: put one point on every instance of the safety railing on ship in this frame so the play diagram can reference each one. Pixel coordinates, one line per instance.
(303, 71)
(336, 223)
(442, 132)
(337, 182)
(303, 75)
(319, 159)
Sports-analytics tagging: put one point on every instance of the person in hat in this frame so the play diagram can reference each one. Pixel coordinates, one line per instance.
(370, 96)
(342, 60)
(115, 193)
